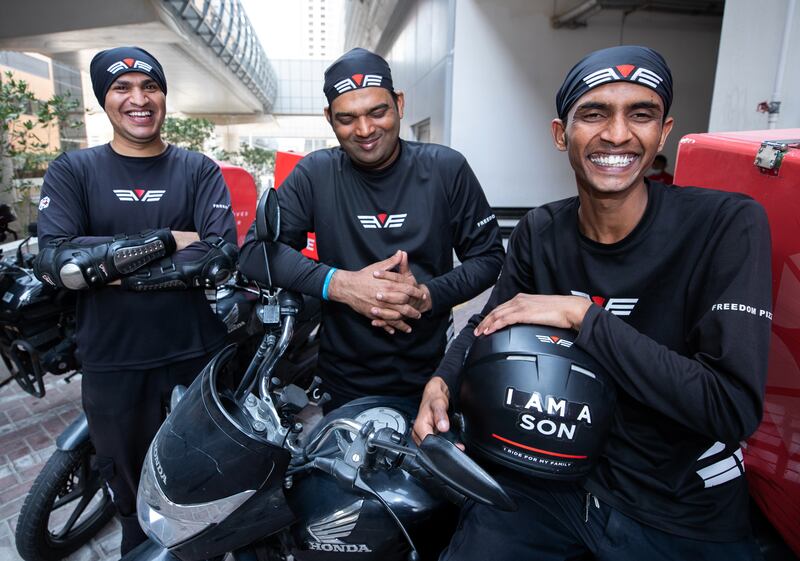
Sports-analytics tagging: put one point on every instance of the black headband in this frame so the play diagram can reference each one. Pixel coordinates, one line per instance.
(357, 68)
(640, 65)
(109, 65)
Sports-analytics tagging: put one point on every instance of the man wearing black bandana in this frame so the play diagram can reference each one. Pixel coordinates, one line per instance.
(388, 214)
(123, 223)
(688, 350)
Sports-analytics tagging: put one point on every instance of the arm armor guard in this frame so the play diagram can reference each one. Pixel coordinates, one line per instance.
(64, 264)
(214, 268)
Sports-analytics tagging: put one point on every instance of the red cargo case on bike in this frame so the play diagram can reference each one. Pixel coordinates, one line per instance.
(284, 164)
(766, 166)
(244, 196)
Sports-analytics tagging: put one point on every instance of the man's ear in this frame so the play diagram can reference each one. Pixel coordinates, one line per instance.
(559, 134)
(401, 103)
(327, 113)
(665, 130)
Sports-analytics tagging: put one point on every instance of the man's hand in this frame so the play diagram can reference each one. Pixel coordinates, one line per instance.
(184, 239)
(359, 290)
(394, 297)
(556, 311)
(397, 298)
(432, 417)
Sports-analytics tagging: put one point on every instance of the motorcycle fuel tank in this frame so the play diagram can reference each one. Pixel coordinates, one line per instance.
(339, 523)
(209, 483)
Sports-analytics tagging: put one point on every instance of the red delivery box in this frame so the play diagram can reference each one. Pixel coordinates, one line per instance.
(766, 166)
(243, 193)
(284, 164)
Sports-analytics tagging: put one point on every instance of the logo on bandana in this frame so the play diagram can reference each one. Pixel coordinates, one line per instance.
(44, 203)
(126, 63)
(358, 81)
(140, 195)
(624, 72)
(382, 220)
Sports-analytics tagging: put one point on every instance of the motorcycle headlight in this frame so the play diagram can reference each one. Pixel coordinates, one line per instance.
(168, 523)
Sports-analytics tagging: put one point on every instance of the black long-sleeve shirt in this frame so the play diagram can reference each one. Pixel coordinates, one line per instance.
(93, 194)
(427, 203)
(681, 320)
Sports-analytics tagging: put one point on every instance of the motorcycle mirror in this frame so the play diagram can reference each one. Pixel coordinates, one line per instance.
(268, 217)
(32, 229)
(20, 257)
(444, 460)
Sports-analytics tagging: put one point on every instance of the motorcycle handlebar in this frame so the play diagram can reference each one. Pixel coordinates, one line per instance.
(413, 467)
(291, 302)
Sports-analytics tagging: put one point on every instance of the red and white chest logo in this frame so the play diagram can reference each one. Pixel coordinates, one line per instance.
(617, 306)
(382, 220)
(140, 195)
(554, 340)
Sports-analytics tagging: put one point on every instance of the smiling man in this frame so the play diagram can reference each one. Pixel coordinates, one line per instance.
(643, 273)
(388, 214)
(136, 225)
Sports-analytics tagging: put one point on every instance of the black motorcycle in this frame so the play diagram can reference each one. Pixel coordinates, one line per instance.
(68, 502)
(37, 323)
(232, 469)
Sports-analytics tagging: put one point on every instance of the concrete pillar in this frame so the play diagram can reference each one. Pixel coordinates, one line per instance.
(747, 64)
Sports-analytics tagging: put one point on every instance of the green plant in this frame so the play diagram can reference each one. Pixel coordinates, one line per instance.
(187, 132)
(25, 151)
(226, 156)
(258, 161)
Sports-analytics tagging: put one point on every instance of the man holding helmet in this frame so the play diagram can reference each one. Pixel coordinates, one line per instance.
(668, 288)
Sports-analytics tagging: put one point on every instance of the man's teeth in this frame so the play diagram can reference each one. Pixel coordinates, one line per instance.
(140, 113)
(612, 160)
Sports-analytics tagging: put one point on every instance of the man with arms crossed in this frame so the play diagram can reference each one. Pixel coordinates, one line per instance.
(388, 214)
(688, 359)
(141, 228)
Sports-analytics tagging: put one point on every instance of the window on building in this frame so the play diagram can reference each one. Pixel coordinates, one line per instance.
(422, 130)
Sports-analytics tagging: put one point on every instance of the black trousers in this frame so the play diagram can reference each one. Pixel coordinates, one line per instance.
(125, 410)
(561, 522)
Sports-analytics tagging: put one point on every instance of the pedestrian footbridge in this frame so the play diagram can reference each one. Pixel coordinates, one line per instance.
(212, 58)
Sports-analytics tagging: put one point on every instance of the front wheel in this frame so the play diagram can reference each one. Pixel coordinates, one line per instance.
(67, 505)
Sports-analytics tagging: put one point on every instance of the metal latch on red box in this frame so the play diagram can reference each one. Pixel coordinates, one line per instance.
(770, 154)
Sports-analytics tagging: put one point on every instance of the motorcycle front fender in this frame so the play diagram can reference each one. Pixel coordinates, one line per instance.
(149, 551)
(75, 435)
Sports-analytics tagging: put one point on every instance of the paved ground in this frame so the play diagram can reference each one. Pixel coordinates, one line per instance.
(28, 428)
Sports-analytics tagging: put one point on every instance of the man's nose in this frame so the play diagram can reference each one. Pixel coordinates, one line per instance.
(617, 130)
(138, 96)
(364, 126)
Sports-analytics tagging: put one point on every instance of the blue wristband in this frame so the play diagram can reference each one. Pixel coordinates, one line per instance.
(327, 282)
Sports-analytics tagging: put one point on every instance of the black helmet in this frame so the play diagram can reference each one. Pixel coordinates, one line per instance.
(534, 402)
